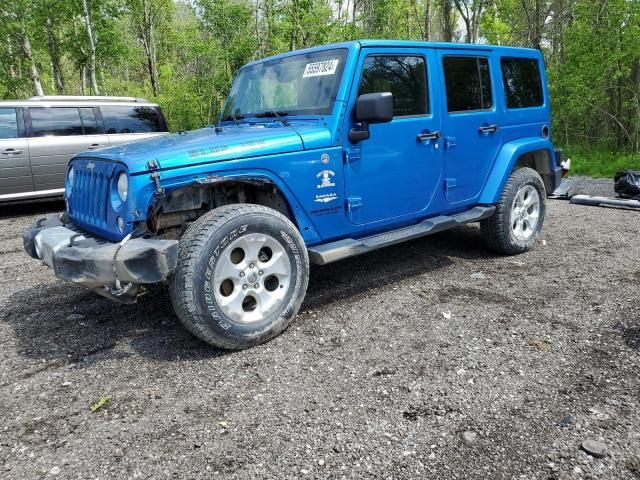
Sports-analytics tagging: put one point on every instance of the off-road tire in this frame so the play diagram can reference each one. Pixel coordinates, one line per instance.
(498, 229)
(203, 245)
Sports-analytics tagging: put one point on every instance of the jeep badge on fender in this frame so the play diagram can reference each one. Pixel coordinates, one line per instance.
(320, 154)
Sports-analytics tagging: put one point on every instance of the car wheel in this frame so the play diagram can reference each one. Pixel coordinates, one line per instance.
(517, 221)
(241, 277)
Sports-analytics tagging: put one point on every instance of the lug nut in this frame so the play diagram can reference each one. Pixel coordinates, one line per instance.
(245, 286)
(251, 265)
(242, 274)
(260, 272)
(256, 285)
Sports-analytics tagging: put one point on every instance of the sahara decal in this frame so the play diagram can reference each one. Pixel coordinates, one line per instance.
(326, 197)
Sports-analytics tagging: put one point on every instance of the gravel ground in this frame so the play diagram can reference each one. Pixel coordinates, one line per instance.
(598, 187)
(400, 365)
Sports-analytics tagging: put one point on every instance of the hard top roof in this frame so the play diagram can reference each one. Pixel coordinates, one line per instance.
(369, 43)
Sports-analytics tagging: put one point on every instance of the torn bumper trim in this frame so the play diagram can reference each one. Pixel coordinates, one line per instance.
(79, 258)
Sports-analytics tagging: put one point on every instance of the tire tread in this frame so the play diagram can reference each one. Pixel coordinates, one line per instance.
(496, 229)
(191, 244)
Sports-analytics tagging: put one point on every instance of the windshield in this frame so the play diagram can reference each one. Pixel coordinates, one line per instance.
(304, 84)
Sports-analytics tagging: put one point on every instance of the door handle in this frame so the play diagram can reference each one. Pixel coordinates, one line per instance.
(423, 137)
(93, 146)
(11, 151)
(489, 129)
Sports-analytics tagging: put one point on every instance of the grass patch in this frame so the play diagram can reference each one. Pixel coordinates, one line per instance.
(101, 402)
(600, 163)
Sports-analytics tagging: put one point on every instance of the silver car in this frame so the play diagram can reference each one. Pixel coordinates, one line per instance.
(39, 136)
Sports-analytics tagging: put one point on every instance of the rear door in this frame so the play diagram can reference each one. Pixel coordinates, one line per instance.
(470, 122)
(125, 123)
(55, 135)
(15, 170)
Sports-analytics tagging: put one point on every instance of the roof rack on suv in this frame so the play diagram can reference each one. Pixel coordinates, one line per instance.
(92, 98)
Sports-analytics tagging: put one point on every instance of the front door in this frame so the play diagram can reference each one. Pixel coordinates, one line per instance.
(395, 172)
(15, 170)
(470, 123)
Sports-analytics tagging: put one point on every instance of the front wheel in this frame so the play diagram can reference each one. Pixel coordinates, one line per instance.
(241, 277)
(516, 224)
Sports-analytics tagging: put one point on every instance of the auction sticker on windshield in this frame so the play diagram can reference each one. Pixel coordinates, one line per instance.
(316, 69)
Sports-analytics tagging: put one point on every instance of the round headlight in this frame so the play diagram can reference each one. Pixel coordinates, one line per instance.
(123, 186)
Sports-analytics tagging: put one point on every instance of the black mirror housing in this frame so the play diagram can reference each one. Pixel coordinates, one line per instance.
(371, 108)
(375, 107)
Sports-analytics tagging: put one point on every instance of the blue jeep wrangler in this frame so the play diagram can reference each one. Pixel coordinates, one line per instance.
(319, 155)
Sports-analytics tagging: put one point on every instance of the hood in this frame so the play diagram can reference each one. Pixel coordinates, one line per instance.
(210, 144)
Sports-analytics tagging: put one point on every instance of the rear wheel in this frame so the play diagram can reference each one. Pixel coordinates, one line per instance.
(519, 216)
(241, 277)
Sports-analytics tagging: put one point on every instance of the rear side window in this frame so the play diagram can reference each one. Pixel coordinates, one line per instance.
(55, 122)
(8, 123)
(123, 119)
(522, 82)
(404, 76)
(468, 83)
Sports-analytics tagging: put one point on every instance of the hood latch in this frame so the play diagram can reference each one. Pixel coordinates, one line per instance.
(153, 167)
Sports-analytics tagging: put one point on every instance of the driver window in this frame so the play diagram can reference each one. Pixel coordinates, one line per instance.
(404, 76)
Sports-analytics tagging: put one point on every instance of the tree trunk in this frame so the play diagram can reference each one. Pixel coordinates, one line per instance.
(468, 36)
(55, 59)
(635, 79)
(83, 79)
(427, 20)
(447, 28)
(539, 22)
(471, 14)
(92, 48)
(149, 44)
(257, 30)
(12, 67)
(25, 44)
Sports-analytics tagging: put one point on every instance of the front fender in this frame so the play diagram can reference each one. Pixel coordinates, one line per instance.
(301, 219)
(505, 163)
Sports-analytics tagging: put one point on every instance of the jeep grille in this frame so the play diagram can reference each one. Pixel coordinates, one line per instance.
(88, 203)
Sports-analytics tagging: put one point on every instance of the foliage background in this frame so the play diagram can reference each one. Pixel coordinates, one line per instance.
(184, 53)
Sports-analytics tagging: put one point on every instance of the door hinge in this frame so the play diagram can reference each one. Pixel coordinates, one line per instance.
(450, 142)
(353, 203)
(352, 155)
(450, 183)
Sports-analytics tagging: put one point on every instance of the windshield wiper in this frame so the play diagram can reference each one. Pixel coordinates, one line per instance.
(274, 114)
(233, 118)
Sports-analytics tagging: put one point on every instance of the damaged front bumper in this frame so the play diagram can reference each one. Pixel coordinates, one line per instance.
(115, 270)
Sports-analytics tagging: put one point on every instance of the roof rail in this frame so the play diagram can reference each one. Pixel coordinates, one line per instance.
(92, 98)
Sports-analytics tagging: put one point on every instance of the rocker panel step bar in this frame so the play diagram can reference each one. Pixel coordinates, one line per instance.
(333, 251)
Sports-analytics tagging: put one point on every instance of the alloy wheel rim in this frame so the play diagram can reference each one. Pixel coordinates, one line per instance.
(251, 278)
(525, 213)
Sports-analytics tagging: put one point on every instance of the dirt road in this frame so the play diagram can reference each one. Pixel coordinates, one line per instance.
(401, 365)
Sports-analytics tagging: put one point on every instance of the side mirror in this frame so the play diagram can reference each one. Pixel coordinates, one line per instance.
(371, 108)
